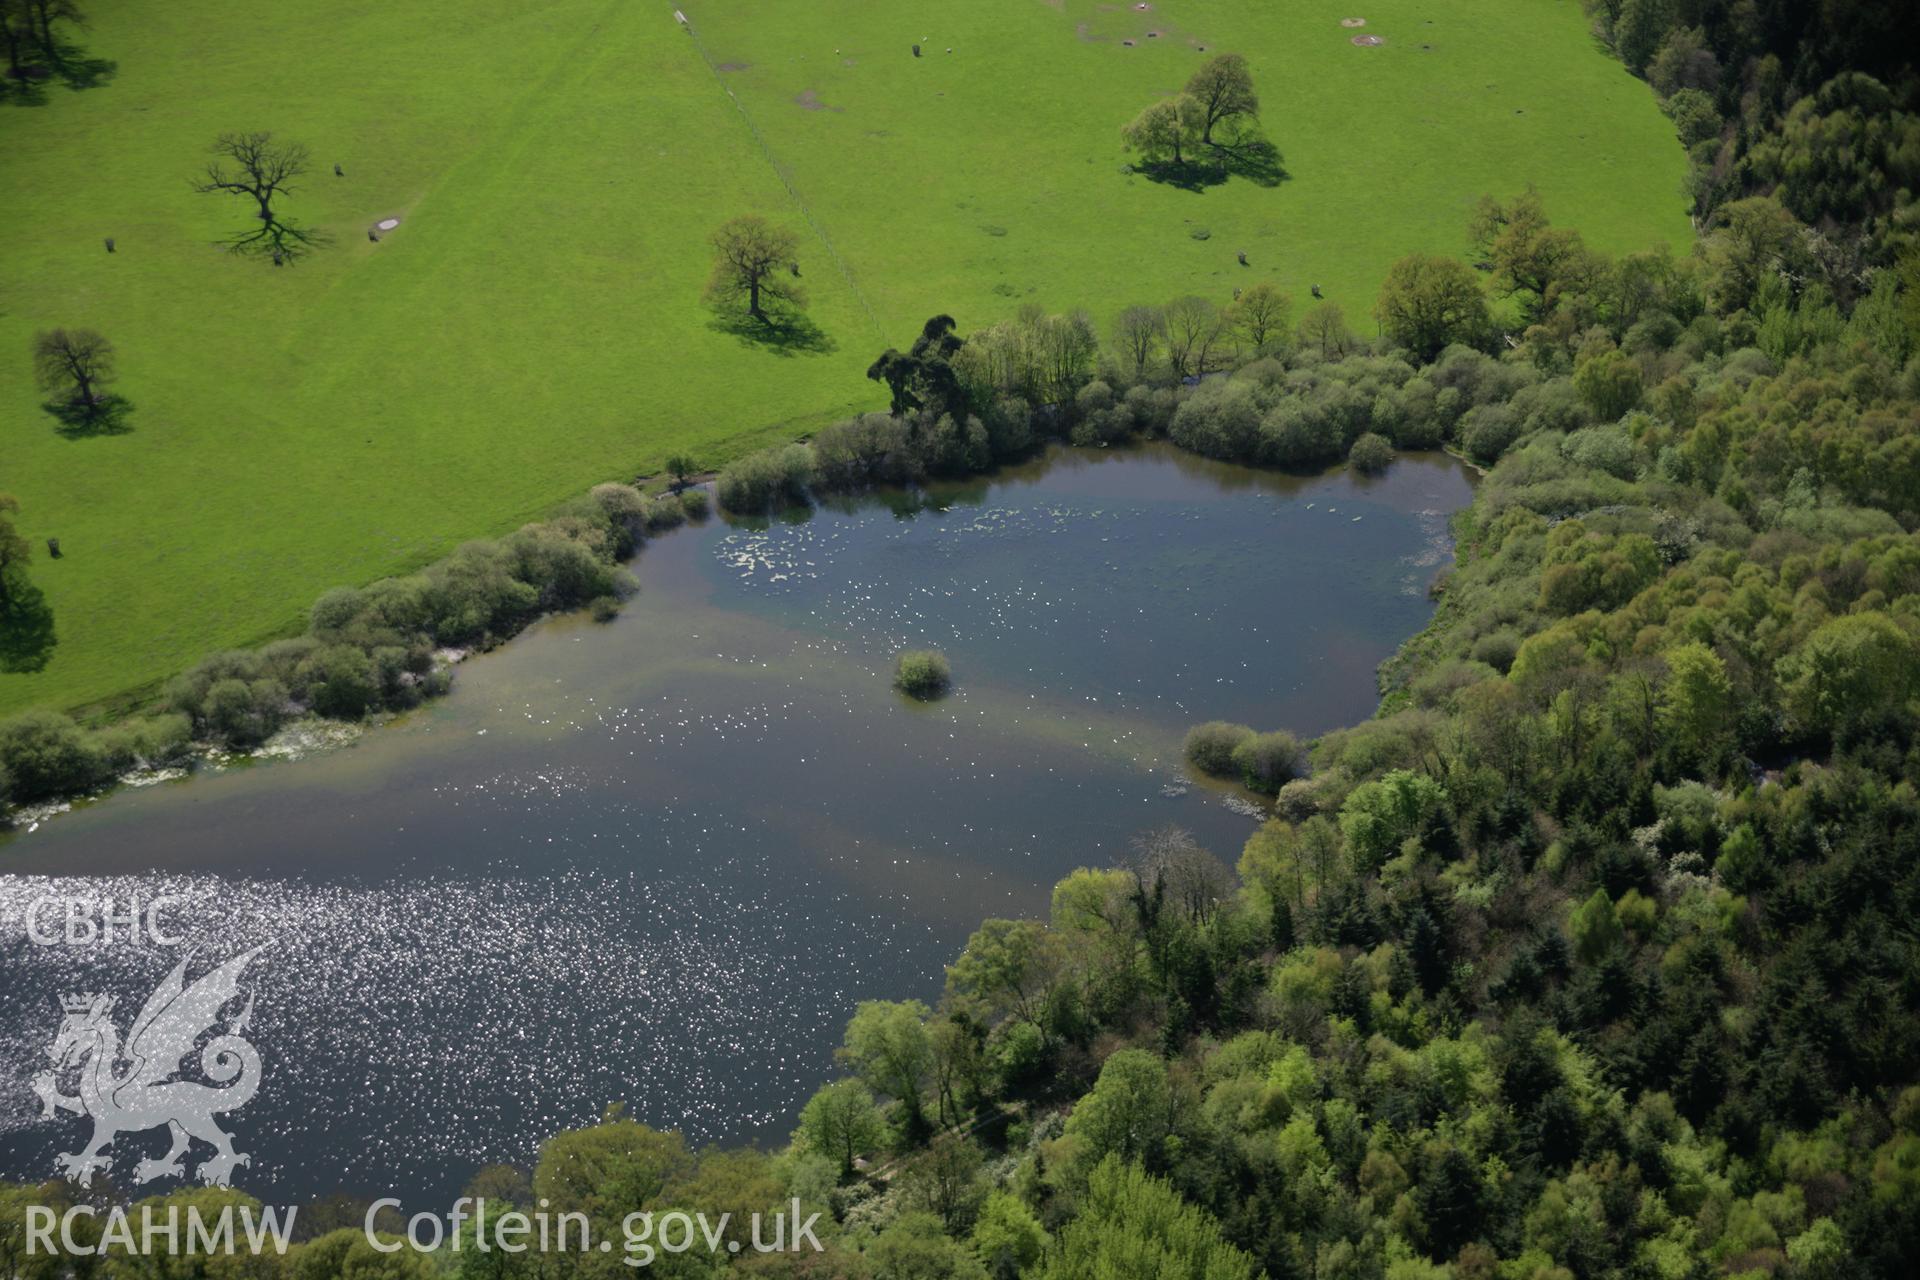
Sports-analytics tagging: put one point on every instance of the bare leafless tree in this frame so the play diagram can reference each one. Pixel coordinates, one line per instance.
(1174, 870)
(73, 362)
(1197, 332)
(1325, 328)
(263, 168)
(255, 166)
(1139, 333)
(750, 254)
(1067, 347)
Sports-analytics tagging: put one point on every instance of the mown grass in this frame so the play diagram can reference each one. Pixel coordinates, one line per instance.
(535, 324)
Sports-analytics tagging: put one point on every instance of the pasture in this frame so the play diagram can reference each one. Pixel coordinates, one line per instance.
(535, 322)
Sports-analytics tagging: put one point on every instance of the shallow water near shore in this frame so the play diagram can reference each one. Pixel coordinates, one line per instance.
(657, 861)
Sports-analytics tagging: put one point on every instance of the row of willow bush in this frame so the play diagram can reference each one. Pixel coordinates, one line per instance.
(1222, 416)
(1301, 407)
(364, 650)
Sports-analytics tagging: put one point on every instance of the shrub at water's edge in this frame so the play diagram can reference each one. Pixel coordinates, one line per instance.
(1267, 762)
(366, 650)
(1371, 453)
(1263, 762)
(770, 478)
(1209, 747)
(44, 755)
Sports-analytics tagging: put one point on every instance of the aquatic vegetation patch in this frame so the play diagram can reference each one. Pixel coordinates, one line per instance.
(922, 673)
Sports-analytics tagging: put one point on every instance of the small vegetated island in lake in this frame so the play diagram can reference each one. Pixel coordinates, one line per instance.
(922, 673)
(1592, 956)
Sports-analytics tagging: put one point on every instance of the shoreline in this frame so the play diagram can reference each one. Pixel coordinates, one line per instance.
(313, 733)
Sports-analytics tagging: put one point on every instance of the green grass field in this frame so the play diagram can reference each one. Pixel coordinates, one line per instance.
(535, 324)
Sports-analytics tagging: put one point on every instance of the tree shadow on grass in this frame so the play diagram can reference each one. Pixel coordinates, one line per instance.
(70, 65)
(78, 71)
(1194, 175)
(282, 243)
(1254, 158)
(81, 72)
(107, 416)
(785, 333)
(28, 89)
(26, 629)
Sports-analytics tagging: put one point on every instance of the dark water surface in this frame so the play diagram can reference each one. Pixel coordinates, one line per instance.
(658, 861)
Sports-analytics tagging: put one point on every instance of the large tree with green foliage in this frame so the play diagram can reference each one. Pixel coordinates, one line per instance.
(841, 1122)
(1429, 302)
(1222, 92)
(887, 1045)
(1165, 131)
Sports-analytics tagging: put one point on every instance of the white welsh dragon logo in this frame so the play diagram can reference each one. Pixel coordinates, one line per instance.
(144, 1095)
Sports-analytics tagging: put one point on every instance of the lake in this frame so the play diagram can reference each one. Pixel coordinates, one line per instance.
(657, 861)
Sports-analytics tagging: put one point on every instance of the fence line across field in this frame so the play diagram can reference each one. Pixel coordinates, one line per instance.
(780, 172)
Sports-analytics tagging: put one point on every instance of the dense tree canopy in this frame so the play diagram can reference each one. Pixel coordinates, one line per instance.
(1813, 105)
